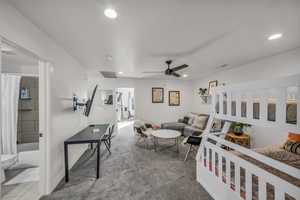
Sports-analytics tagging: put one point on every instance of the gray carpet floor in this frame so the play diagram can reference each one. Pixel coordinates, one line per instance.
(132, 172)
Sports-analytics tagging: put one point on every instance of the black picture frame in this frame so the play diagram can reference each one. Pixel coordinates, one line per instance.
(161, 93)
(171, 100)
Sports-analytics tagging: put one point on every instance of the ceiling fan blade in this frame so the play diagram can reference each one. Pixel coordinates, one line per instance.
(175, 74)
(179, 67)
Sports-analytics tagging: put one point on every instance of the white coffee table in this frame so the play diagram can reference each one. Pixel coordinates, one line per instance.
(166, 134)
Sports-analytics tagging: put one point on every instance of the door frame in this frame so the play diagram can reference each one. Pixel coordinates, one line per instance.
(44, 74)
(115, 101)
(115, 96)
(44, 126)
(0, 115)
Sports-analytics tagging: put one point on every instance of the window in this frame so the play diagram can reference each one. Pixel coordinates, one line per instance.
(291, 105)
(291, 111)
(244, 108)
(225, 104)
(256, 108)
(272, 110)
(233, 108)
(217, 104)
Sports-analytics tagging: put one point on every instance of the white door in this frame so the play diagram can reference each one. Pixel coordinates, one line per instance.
(44, 111)
(0, 115)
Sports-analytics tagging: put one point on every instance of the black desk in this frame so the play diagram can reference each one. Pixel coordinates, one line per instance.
(85, 136)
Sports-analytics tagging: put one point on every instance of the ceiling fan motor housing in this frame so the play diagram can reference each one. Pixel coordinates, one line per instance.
(168, 71)
(169, 62)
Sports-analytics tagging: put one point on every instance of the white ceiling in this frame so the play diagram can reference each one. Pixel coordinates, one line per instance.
(201, 33)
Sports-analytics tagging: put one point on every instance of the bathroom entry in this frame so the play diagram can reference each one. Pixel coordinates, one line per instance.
(28, 115)
(21, 161)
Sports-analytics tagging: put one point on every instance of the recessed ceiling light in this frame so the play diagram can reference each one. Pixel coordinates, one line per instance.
(110, 13)
(185, 75)
(275, 36)
(120, 72)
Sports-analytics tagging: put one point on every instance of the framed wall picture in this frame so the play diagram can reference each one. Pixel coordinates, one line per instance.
(174, 98)
(212, 84)
(157, 95)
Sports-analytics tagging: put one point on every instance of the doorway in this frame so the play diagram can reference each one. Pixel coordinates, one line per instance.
(23, 109)
(125, 104)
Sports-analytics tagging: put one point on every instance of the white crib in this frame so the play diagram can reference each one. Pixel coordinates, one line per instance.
(219, 170)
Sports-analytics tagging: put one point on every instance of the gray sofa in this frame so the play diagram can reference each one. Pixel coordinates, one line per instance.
(186, 127)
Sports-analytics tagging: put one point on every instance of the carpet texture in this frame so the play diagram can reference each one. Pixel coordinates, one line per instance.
(132, 172)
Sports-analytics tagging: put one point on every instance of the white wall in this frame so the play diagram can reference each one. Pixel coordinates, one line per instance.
(20, 69)
(156, 112)
(144, 108)
(67, 77)
(284, 64)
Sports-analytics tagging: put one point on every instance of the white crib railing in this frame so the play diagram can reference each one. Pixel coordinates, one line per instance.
(210, 167)
(281, 92)
(207, 163)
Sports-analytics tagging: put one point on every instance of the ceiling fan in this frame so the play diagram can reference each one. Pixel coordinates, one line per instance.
(170, 71)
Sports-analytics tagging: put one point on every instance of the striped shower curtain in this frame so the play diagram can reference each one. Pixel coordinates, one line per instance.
(10, 87)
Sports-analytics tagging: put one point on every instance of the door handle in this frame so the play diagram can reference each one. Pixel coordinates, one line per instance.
(41, 134)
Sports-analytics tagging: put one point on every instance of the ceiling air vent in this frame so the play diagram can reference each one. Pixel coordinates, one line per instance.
(107, 74)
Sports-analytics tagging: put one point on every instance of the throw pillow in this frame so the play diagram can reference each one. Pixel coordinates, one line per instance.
(191, 118)
(199, 122)
(294, 136)
(292, 146)
(155, 127)
(148, 125)
(186, 120)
